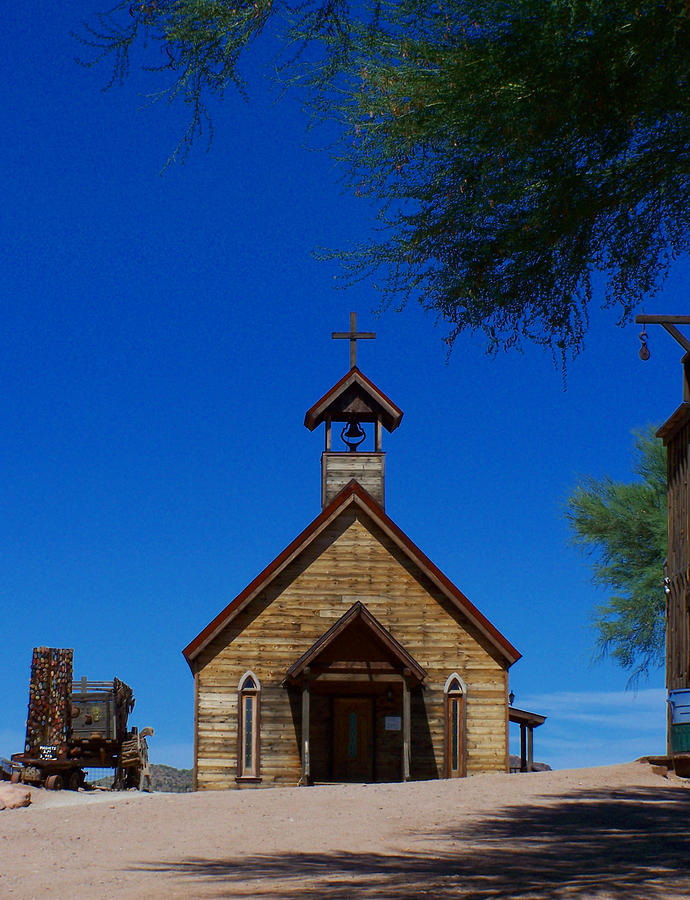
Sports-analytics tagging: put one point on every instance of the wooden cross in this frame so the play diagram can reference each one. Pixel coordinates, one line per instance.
(353, 336)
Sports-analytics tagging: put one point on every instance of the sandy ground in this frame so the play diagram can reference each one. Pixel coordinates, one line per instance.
(614, 832)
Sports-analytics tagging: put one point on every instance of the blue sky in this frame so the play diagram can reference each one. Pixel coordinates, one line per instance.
(162, 336)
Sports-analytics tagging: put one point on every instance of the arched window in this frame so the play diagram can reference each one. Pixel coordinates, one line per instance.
(248, 708)
(455, 743)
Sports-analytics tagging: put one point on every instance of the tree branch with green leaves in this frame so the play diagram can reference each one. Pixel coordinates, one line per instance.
(622, 527)
(512, 148)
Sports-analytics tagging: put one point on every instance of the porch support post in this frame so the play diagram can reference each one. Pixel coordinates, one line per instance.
(523, 747)
(406, 727)
(306, 768)
(530, 738)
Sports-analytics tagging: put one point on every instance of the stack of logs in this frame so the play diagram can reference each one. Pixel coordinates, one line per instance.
(124, 704)
(49, 719)
(130, 753)
(134, 761)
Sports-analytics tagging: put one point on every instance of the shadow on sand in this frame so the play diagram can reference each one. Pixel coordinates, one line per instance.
(619, 844)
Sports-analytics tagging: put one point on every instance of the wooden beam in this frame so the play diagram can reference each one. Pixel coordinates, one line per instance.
(523, 747)
(306, 767)
(662, 320)
(678, 335)
(352, 677)
(669, 323)
(530, 759)
(344, 665)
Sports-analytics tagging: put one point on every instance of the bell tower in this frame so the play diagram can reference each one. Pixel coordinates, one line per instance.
(349, 405)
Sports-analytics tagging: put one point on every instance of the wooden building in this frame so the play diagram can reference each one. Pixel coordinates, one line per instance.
(351, 657)
(675, 433)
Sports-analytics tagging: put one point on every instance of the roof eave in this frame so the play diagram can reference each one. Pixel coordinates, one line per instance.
(392, 413)
(192, 650)
(353, 492)
(676, 421)
(508, 651)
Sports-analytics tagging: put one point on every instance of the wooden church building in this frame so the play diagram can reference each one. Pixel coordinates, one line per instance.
(351, 657)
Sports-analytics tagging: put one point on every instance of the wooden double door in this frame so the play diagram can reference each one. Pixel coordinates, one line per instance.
(353, 739)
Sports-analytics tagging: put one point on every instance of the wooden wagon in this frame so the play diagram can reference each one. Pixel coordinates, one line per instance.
(74, 726)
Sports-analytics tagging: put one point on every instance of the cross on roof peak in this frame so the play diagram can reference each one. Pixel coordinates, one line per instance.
(353, 336)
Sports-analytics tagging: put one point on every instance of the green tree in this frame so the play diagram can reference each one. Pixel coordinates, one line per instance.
(512, 148)
(623, 527)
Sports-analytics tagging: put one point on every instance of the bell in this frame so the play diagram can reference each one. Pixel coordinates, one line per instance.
(353, 435)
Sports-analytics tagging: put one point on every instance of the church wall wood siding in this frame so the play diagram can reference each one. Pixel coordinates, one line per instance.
(351, 560)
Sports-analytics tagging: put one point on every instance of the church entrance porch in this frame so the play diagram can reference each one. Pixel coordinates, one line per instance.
(355, 683)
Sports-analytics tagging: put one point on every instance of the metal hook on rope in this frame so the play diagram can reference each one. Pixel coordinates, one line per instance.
(644, 349)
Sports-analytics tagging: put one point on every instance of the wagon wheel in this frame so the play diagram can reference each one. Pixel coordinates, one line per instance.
(74, 780)
(119, 780)
(681, 765)
(54, 783)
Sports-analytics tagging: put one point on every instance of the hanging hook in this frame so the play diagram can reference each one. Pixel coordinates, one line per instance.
(644, 349)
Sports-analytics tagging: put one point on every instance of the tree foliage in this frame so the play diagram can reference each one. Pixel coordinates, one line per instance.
(624, 527)
(512, 147)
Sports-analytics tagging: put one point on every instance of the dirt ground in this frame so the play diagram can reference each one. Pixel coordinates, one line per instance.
(614, 832)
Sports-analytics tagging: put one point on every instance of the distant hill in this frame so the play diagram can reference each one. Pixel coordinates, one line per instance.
(167, 778)
(179, 781)
(163, 778)
(536, 766)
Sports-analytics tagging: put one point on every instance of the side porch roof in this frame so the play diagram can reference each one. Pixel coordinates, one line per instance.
(523, 717)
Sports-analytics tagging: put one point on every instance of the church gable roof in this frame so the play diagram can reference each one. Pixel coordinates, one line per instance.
(353, 495)
(354, 395)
